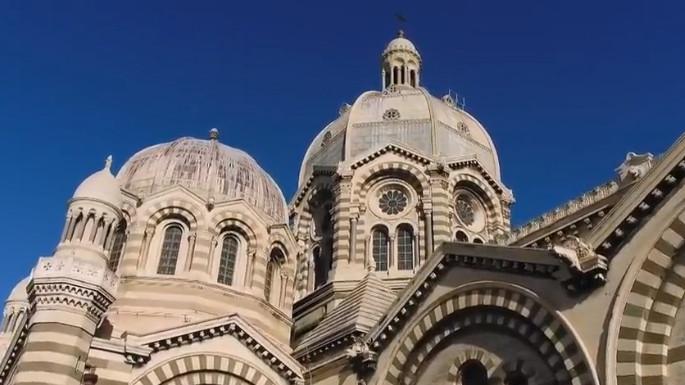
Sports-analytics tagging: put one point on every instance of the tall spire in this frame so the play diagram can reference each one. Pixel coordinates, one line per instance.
(401, 64)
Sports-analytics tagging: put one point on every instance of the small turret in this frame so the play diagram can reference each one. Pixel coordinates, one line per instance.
(93, 214)
(401, 63)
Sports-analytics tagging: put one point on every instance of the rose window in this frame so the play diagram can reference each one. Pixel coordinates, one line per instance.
(465, 210)
(393, 202)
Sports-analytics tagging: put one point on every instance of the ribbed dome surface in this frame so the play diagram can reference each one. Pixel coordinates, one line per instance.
(406, 116)
(206, 167)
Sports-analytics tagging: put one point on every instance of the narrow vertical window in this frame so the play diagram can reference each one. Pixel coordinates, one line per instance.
(395, 75)
(405, 248)
(379, 246)
(229, 253)
(272, 269)
(117, 247)
(170, 249)
(320, 268)
(412, 78)
(387, 78)
(402, 71)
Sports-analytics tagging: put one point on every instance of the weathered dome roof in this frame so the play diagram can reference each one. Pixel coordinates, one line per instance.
(406, 116)
(102, 186)
(18, 293)
(206, 167)
(400, 43)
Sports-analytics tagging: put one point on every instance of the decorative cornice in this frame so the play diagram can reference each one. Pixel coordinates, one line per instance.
(589, 198)
(475, 163)
(391, 148)
(72, 283)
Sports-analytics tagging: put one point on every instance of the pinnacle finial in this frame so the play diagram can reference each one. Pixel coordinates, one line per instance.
(400, 33)
(214, 134)
(108, 162)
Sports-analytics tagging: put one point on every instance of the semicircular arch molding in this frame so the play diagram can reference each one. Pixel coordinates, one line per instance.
(179, 368)
(646, 309)
(480, 188)
(177, 209)
(404, 171)
(239, 225)
(557, 333)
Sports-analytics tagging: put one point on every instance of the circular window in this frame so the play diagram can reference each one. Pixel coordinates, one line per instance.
(393, 201)
(470, 211)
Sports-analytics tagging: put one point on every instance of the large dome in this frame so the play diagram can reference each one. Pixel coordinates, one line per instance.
(206, 167)
(407, 116)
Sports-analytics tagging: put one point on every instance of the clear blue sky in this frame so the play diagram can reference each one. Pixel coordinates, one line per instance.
(564, 88)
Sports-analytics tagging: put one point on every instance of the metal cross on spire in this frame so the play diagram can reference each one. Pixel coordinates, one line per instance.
(401, 22)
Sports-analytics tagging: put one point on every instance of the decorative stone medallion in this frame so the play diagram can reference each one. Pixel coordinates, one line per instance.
(393, 202)
(391, 114)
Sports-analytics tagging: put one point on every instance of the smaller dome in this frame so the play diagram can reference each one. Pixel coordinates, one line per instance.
(102, 186)
(18, 293)
(400, 43)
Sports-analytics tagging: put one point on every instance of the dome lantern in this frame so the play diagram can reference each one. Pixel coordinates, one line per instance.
(401, 63)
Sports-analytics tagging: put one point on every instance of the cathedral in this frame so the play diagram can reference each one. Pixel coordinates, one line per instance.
(394, 263)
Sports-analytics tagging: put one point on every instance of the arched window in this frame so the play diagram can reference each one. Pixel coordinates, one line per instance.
(229, 253)
(405, 248)
(395, 75)
(477, 240)
(403, 70)
(472, 372)
(320, 268)
(117, 247)
(412, 78)
(271, 277)
(379, 248)
(170, 249)
(461, 237)
(8, 322)
(76, 228)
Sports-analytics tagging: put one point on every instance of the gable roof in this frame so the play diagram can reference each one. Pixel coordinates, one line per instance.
(356, 314)
(540, 263)
(272, 353)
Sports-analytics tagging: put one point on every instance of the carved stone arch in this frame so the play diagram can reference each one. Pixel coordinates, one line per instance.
(646, 309)
(207, 378)
(554, 337)
(490, 362)
(482, 189)
(231, 223)
(321, 185)
(175, 369)
(157, 214)
(405, 171)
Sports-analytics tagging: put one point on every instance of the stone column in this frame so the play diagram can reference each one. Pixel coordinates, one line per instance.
(341, 221)
(353, 237)
(428, 213)
(440, 203)
(69, 296)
